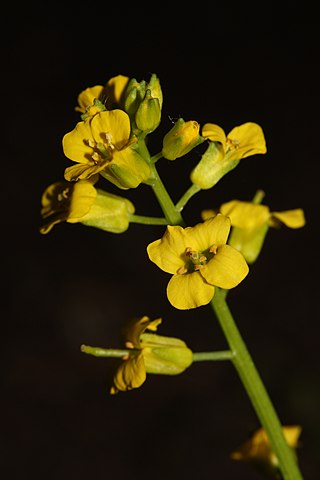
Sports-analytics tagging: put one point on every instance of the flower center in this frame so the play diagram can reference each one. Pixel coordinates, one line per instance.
(102, 151)
(195, 260)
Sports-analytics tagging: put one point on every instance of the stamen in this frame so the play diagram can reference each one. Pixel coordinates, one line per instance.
(233, 143)
(198, 267)
(91, 143)
(129, 344)
(213, 249)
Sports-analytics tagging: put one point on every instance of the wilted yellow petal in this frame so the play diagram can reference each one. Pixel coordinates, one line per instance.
(226, 269)
(131, 374)
(189, 291)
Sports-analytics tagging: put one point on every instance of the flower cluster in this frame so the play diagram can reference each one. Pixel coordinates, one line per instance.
(109, 145)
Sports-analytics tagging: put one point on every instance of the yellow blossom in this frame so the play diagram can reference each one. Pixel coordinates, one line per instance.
(257, 450)
(251, 223)
(103, 145)
(199, 260)
(110, 96)
(81, 202)
(149, 353)
(224, 152)
(87, 97)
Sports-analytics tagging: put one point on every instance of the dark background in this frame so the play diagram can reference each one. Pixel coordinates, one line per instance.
(220, 64)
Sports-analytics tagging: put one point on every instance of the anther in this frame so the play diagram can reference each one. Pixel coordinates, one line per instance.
(213, 249)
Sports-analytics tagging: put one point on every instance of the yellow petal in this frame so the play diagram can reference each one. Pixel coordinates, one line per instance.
(214, 133)
(250, 140)
(245, 215)
(135, 327)
(290, 218)
(226, 269)
(114, 125)
(82, 171)
(115, 89)
(83, 196)
(130, 374)
(75, 143)
(189, 291)
(168, 252)
(213, 231)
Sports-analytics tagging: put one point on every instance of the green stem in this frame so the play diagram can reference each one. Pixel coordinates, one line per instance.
(186, 197)
(213, 356)
(173, 217)
(256, 390)
(147, 220)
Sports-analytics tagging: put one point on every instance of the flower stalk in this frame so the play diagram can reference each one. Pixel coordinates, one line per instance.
(243, 362)
(255, 389)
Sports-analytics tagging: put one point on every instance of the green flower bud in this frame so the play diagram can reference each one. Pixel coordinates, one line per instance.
(134, 94)
(155, 88)
(165, 355)
(148, 115)
(181, 139)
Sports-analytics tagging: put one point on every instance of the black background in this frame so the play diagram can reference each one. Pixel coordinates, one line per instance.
(220, 64)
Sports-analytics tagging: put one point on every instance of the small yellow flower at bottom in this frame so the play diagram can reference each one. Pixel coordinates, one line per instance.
(150, 353)
(81, 202)
(199, 260)
(257, 450)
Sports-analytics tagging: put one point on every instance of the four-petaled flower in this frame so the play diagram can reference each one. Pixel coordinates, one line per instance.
(199, 260)
(103, 145)
(149, 353)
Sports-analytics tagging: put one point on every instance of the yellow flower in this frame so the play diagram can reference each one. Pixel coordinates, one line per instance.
(225, 151)
(102, 144)
(110, 95)
(199, 260)
(251, 223)
(86, 98)
(257, 450)
(151, 353)
(81, 202)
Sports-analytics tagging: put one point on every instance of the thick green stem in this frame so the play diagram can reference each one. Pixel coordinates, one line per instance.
(256, 390)
(172, 215)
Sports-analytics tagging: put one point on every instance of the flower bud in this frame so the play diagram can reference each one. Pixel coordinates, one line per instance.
(181, 139)
(134, 94)
(148, 115)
